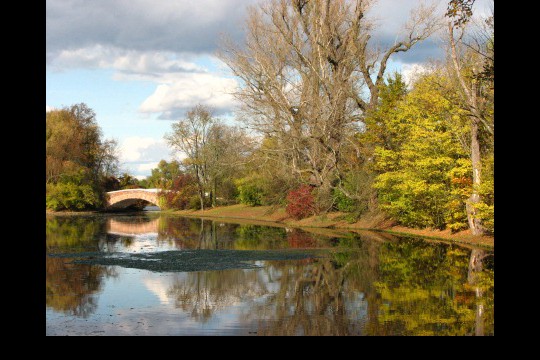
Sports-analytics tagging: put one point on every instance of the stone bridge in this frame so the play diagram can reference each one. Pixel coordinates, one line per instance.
(124, 198)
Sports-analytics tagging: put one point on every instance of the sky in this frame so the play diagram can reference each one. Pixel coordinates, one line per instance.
(140, 64)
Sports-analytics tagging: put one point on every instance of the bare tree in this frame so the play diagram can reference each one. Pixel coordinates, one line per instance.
(309, 73)
(190, 136)
(107, 158)
(472, 60)
(227, 152)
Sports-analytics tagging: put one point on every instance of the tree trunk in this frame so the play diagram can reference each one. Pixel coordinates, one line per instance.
(201, 198)
(475, 267)
(201, 195)
(214, 194)
(475, 224)
(200, 186)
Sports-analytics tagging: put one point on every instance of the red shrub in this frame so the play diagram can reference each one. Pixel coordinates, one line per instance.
(180, 193)
(300, 202)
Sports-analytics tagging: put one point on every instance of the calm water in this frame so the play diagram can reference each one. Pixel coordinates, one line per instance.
(357, 284)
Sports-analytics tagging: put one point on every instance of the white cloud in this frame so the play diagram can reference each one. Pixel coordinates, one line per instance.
(126, 62)
(411, 71)
(158, 287)
(147, 166)
(139, 155)
(48, 108)
(132, 148)
(188, 90)
(181, 83)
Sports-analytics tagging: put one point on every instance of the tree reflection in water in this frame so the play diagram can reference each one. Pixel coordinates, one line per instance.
(404, 287)
(71, 288)
(424, 290)
(329, 296)
(201, 294)
(365, 285)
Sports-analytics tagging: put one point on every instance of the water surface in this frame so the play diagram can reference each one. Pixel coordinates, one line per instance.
(257, 280)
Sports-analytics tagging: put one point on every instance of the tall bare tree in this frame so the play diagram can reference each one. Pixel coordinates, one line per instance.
(472, 68)
(190, 136)
(309, 73)
(227, 152)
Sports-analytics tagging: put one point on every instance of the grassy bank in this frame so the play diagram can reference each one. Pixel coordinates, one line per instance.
(336, 220)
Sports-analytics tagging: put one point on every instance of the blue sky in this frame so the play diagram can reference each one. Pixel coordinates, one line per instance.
(140, 64)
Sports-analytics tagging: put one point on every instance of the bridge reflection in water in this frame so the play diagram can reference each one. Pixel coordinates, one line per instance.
(123, 228)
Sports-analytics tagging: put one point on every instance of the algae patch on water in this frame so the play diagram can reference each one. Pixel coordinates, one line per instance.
(189, 260)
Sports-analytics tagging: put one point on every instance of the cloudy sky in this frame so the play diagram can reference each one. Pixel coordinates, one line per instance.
(139, 64)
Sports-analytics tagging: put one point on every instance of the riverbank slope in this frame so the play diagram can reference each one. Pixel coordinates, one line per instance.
(335, 220)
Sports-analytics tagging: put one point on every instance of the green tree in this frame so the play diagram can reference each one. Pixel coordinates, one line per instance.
(423, 177)
(71, 196)
(383, 127)
(163, 176)
(128, 182)
(471, 70)
(78, 160)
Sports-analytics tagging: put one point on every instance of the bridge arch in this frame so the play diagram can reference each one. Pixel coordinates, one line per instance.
(124, 198)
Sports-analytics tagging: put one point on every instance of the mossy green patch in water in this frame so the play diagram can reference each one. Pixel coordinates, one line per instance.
(189, 260)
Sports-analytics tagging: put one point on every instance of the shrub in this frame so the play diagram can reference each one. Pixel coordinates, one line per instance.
(343, 203)
(250, 191)
(486, 213)
(70, 196)
(300, 202)
(179, 195)
(195, 202)
(358, 183)
(250, 194)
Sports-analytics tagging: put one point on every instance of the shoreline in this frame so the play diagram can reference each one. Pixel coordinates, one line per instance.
(267, 215)
(332, 221)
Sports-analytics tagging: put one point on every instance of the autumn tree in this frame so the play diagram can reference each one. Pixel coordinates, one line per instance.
(164, 174)
(127, 181)
(471, 68)
(180, 193)
(78, 159)
(190, 136)
(215, 152)
(422, 171)
(383, 128)
(309, 73)
(227, 151)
